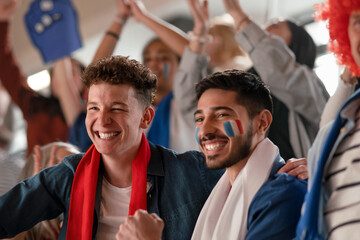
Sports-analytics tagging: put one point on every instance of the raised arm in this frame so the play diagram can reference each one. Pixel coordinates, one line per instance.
(63, 88)
(233, 7)
(11, 76)
(192, 69)
(200, 13)
(172, 36)
(276, 65)
(7, 8)
(111, 37)
(194, 63)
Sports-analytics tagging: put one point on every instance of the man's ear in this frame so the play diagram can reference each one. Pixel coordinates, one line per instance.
(147, 118)
(264, 122)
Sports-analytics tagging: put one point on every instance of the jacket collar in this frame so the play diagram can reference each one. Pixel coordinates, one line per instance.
(156, 165)
(278, 163)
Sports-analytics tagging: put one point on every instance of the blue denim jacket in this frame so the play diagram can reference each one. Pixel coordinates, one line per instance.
(180, 183)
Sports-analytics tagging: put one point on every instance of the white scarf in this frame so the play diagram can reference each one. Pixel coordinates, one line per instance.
(224, 215)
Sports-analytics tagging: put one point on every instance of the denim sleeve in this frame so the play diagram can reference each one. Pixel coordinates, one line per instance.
(275, 209)
(43, 196)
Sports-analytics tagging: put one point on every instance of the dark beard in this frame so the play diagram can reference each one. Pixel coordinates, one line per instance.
(242, 152)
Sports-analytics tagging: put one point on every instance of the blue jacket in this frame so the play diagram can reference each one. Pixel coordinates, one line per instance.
(181, 184)
(275, 208)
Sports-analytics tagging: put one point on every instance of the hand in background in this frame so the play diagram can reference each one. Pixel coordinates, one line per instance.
(123, 8)
(7, 8)
(38, 159)
(233, 7)
(200, 13)
(296, 167)
(138, 10)
(347, 78)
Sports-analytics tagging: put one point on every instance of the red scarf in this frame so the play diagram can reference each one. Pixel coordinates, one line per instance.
(82, 201)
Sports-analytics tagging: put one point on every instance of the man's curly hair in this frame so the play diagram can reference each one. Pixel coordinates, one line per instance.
(117, 70)
(337, 13)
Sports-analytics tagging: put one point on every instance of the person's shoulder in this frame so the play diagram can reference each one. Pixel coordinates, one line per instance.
(286, 182)
(282, 186)
(283, 192)
(278, 200)
(72, 161)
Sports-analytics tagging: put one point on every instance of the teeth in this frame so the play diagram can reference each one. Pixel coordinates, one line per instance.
(213, 146)
(106, 135)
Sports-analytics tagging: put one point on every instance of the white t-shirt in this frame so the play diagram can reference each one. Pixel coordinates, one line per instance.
(114, 209)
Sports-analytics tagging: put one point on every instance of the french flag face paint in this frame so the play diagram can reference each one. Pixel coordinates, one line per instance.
(233, 128)
(166, 71)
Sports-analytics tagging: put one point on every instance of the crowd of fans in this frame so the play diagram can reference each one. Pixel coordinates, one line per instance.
(119, 136)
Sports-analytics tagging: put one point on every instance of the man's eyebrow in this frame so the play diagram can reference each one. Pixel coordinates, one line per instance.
(91, 103)
(355, 16)
(215, 109)
(119, 103)
(198, 111)
(112, 104)
(222, 108)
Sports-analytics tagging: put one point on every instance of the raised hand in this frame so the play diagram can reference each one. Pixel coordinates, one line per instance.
(53, 158)
(200, 13)
(138, 10)
(7, 8)
(38, 159)
(37, 156)
(123, 8)
(233, 7)
(347, 78)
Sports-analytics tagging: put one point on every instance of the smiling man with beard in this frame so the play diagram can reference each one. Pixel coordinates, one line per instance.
(233, 116)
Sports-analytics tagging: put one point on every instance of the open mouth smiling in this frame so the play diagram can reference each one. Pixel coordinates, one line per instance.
(106, 135)
(214, 146)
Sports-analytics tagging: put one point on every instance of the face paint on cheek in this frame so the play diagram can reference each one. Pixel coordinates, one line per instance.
(166, 70)
(233, 128)
(197, 135)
